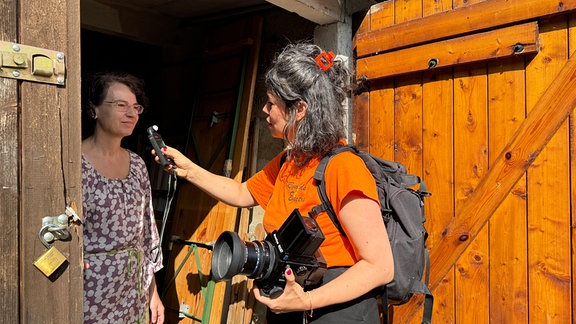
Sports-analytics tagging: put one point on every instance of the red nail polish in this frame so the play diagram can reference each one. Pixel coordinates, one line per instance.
(164, 149)
(289, 271)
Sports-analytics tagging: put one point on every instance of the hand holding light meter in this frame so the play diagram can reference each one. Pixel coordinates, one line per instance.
(158, 144)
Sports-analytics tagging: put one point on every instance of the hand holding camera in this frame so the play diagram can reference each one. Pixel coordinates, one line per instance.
(294, 245)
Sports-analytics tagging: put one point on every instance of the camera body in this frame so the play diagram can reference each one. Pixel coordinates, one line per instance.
(294, 245)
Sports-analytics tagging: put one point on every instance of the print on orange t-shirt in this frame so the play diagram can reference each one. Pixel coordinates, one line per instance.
(281, 189)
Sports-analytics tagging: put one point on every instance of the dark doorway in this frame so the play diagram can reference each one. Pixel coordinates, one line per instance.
(102, 52)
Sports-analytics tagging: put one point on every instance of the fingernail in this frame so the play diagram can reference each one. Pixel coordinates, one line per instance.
(289, 272)
(164, 149)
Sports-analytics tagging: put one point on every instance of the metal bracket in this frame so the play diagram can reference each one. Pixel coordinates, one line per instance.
(30, 63)
(54, 228)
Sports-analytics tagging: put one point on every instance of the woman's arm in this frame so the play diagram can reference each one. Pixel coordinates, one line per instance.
(222, 188)
(156, 306)
(363, 223)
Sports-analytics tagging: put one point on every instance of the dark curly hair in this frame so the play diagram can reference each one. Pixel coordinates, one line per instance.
(295, 75)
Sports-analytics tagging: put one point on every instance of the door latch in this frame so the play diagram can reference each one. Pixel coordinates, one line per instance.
(31, 63)
(54, 228)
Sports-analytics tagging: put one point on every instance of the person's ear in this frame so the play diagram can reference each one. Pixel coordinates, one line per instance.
(301, 108)
(92, 111)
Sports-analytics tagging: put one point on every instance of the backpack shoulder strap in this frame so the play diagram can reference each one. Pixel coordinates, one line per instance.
(325, 204)
(283, 158)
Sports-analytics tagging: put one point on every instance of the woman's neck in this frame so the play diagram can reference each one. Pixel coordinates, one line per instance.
(103, 145)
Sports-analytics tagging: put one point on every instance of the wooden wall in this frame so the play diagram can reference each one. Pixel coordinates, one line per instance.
(491, 130)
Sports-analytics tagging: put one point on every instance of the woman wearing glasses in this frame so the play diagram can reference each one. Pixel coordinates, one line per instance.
(121, 241)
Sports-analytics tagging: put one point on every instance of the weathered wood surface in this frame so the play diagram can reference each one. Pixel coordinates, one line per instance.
(49, 154)
(9, 191)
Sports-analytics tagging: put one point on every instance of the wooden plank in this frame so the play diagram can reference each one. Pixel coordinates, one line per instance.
(549, 266)
(408, 103)
(481, 16)
(72, 156)
(361, 100)
(437, 102)
(470, 165)
(408, 108)
(381, 116)
(547, 116)
(360, 133)
(407, 10)
(573, 202)
(437, 111)
(318, 11)
(408, 122)
(572, 138)
(50, 163)
(381, 15)
(408, 111)
(508, 237)
(381, 119)
(437, 6)
(462, 50)
(10, 193)
(438, 173)
(464, 3)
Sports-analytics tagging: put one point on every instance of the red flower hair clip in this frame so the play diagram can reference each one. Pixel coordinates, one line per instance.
(325, 60)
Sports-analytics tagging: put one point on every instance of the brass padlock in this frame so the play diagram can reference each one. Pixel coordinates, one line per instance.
(50, 261)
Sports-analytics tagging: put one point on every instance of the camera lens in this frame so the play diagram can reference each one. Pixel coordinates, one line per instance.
(232, 256)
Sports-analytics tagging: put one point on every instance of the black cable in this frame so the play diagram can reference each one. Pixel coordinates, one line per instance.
(169, 197)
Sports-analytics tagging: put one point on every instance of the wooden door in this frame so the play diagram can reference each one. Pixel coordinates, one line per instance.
(40, 165)
(477, 97)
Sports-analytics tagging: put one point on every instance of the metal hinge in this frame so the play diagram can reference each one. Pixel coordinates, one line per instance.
(30, 63)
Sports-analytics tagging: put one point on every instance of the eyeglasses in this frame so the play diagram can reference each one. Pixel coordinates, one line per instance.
(122, 106)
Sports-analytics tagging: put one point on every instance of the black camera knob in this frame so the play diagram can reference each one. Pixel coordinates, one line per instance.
(275, 292)
(301, 271)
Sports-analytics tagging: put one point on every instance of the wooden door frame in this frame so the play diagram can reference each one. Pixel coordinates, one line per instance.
(41, 165)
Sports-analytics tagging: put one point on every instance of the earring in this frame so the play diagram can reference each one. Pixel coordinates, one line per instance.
(92, 112)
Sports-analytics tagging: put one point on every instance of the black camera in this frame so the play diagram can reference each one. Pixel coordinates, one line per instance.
(295, 244)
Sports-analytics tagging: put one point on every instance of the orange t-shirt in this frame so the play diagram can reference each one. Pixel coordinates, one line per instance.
(280, 190)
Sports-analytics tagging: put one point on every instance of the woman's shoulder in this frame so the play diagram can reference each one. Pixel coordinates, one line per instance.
(134, 156)
(347, 164)
(136, 162)
(347, 158)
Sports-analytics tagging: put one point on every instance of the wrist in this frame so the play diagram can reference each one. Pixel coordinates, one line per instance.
(310, 311)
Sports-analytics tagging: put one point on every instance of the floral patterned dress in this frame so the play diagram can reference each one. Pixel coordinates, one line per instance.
(121, 245)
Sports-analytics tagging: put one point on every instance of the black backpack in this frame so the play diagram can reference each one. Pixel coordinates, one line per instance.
(403, 212)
